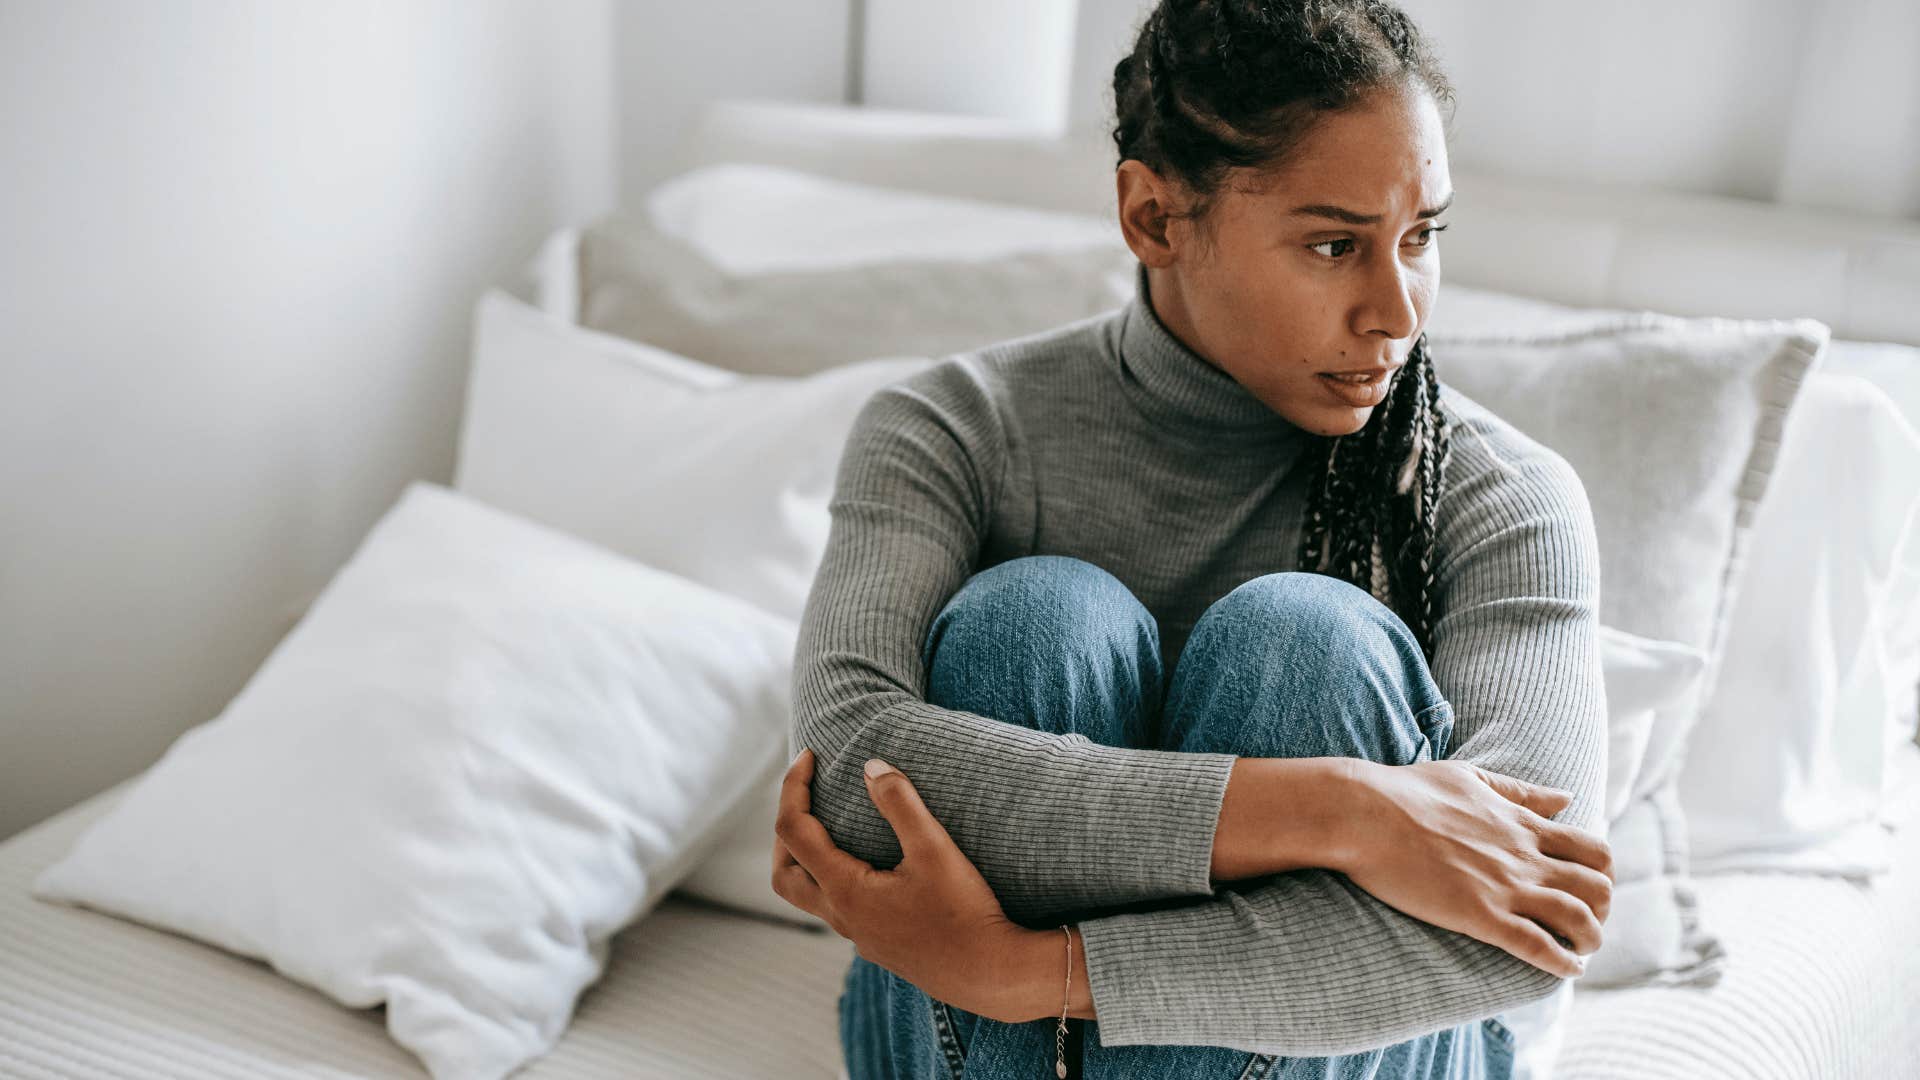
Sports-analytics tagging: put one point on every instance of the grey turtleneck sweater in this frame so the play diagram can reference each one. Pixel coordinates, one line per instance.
(1110, 441)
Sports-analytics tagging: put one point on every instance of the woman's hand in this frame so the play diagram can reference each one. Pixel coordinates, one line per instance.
(932, 919)
(1457, 846)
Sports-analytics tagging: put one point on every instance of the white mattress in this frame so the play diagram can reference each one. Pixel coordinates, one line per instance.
(1822, 983)
(690, 991)
(1822, 980)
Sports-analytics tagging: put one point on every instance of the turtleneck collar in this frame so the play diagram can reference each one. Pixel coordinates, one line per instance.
(1178, 388)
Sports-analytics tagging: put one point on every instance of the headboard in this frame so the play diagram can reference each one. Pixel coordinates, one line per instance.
(1583, 245)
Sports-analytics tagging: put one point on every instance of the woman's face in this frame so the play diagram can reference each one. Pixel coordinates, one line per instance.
(1329, 265)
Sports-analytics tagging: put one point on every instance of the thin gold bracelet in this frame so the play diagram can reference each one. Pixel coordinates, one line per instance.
(1060, 1034)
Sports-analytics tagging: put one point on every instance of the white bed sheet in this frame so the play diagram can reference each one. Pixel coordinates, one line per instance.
(1822, 979)
(1822, 984)
(691, 991)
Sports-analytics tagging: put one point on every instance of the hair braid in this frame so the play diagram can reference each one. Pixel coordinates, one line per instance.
(1371, 518)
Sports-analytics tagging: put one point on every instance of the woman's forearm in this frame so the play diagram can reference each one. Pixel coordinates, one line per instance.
(1283, 814)
(1278, 814)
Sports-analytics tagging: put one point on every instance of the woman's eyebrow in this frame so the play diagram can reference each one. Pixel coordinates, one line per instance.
(1351, 218)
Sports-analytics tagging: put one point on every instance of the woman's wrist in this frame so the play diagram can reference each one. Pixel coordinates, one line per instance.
(1283, 814)
(1036, 976)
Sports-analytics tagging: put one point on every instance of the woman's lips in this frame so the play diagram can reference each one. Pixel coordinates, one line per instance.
(1359, 392)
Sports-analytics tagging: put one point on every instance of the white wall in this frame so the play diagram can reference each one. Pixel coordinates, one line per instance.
(1103, 33)
(1805, 102)
(1685, 96)
(1010, 59)
(241, 243)
(671, 58)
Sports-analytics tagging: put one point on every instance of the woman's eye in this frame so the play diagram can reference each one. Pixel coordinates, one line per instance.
(1426, 240)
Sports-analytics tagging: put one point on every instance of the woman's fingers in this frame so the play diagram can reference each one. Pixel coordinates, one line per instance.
(1544, 801)
(1531, 942)
(782, 858)
(1566, 915)
(1590, 885)
(922, 837)
(793, 884)
(1577, 845)
(805, 837)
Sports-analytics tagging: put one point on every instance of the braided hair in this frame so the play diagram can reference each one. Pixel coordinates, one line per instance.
(1217, 85)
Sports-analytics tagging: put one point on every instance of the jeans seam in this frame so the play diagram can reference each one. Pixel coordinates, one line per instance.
(1500, 1029)
(949, 1044)
(1258, 1066)
(1420, 718)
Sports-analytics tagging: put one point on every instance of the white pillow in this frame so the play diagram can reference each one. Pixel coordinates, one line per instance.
(738, 870)
(1895, 369)
(1645, 679)
(717, 477)
(1652, 932)
(485, 749)
(720, 477)
(1786, 768)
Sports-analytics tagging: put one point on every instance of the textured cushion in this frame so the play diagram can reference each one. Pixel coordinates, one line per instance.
(776, 272)
(642, 284)
(486, 748)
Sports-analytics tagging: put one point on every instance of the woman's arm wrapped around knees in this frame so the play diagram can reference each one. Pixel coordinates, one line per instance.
(1307, 962)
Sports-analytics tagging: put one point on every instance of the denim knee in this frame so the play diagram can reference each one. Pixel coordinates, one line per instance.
(1299, 664)
(1052, 643)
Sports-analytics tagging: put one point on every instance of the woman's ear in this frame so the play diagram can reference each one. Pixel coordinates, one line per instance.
(1146, 203)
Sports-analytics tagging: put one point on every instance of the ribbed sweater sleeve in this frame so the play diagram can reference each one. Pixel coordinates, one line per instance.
(1054, 823)
(1306, 962)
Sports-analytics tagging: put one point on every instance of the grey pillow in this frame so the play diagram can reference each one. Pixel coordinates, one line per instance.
(641, 283)
(1673, 425)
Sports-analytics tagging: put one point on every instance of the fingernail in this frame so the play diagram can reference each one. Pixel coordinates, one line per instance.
(876, 767)
(1580, 964)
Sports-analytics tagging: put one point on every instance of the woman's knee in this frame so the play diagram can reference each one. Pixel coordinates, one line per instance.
(1299, 664)
(1048, 641)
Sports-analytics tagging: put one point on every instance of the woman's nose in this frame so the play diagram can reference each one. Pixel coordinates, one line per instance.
(1388, 307)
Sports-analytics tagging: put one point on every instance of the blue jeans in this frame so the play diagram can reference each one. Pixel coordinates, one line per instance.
(1286, 665)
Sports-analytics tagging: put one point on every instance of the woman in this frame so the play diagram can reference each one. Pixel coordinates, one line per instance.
(1226, 687)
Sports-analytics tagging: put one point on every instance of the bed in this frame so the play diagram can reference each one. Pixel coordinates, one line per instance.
(1825, 983)
(1829, 976)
